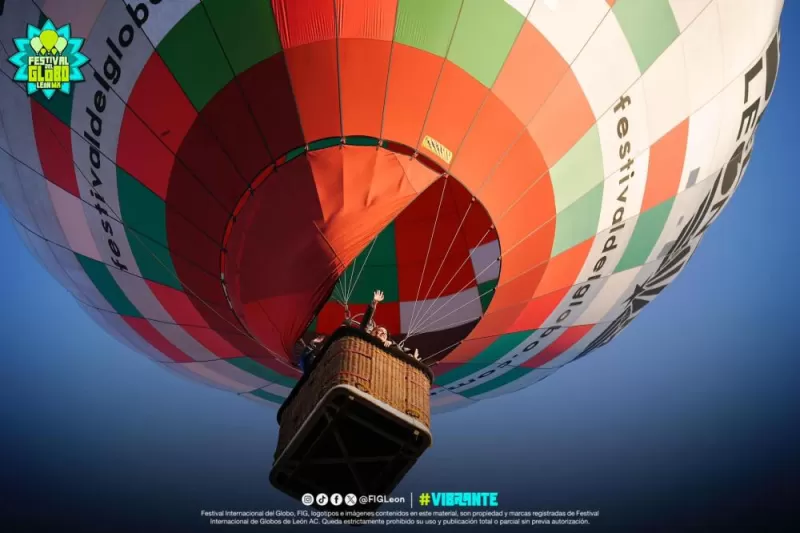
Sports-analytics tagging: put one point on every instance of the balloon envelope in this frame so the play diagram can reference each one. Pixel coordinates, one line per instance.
(520, 178)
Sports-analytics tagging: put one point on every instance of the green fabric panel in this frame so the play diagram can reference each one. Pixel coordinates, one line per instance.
(379, 270)
(578, 171)
(246, 29)
(645, 235)
(492, 354)
(107, 285)
(294, 153)
(373, 277)
(358, 140)
(193, 55)
(154, 260)
(578, 222)
(141, 209)
(324, 143)
(253, 367)
(384, 252)
(145, 217)
(486, 292)
(649, 27)
(485, 33)
(426, 24)
(60, 105)
(503, 379)
(268, 396)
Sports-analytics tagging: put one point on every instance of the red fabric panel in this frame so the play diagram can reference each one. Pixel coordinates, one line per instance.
(228, 116)
(161, 103)
(301, 22)
(213, 342)
(332, 316)
(537, 311)
(156, 339)
(177, 304)
(54, 143)
(296, 235)
(269, 93)
(563, 343)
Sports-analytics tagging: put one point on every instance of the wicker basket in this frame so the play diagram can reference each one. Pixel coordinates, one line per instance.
(356, 422)
(350, 357)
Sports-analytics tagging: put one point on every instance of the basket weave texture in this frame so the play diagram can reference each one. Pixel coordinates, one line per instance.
(353, 361)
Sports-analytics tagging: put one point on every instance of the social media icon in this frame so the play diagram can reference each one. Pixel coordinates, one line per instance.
(308, 499)
(322, 498)
(336, 499)
(350, 499)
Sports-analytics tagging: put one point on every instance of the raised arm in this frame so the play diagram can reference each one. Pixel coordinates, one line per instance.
(377, 296)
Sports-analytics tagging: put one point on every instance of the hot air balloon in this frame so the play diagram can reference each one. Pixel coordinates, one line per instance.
(520, 178)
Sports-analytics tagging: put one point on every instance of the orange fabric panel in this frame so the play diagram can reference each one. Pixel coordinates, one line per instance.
(530, 213)
(491, 135)
(315, 82)
(498, 322)
(368, 19)
(563, 119)
(563, 269)
(364, 67)
(412, 79)
(531, 71)
(419, 176)
(518, 289)
(533, 250)
(465, 351)
(537, 311)
(665, 166)
(454, 106)
(515, 173)
(360, 191)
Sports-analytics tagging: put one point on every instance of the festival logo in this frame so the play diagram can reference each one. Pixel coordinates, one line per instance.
(49, 59)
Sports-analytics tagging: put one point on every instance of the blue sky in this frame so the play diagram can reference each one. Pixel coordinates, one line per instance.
(688, 417)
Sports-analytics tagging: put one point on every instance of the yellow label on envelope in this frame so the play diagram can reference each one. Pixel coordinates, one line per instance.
(437, 148)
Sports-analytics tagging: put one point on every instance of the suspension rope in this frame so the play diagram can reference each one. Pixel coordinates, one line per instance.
(423, 309)
(358, 276)
(432, 313)
(430, 245)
